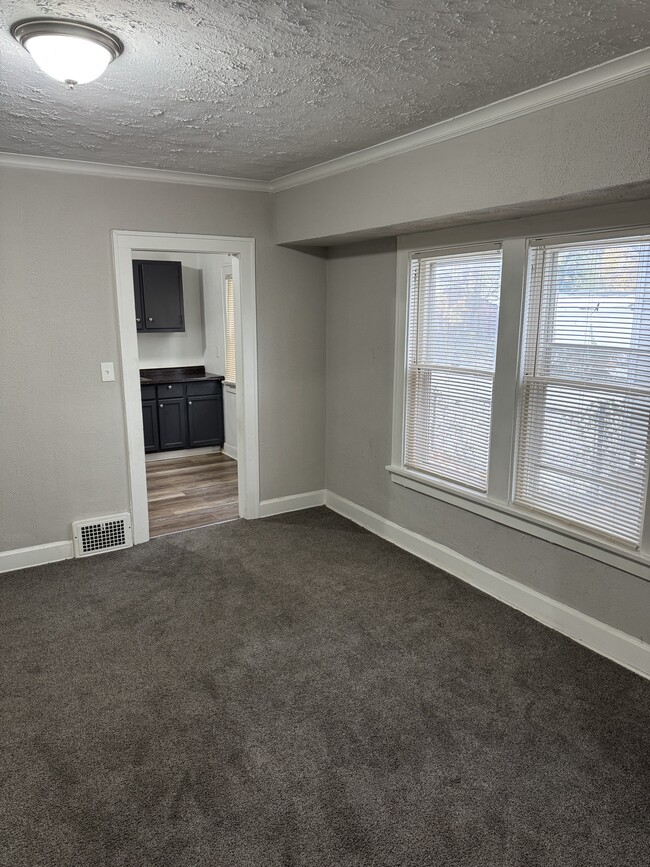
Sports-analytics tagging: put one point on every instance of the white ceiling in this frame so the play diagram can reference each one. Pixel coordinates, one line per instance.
(261, 88)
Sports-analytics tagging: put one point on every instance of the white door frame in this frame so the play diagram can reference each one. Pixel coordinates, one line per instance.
(124, 243)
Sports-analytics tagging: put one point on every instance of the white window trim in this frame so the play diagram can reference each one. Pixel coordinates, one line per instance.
(496, 505)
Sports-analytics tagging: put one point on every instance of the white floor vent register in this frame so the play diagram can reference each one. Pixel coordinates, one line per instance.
(102, 534)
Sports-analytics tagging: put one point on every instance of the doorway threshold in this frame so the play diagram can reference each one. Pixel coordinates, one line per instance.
(201, 527)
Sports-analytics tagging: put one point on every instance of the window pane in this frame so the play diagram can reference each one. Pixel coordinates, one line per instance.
(585, 456)
(459, 311)
(596, 314)
(450, 425)
(585, 397)
(453, 319)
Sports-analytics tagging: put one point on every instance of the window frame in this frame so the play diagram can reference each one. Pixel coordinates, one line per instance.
(494, 247)
(227, 274)
(496, 504)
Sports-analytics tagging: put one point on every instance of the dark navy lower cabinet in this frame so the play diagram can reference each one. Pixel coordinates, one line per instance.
(172, 423)
(150, 423)
(183, 415)
(205, 417)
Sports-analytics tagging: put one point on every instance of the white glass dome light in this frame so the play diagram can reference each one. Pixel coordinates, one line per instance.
(69, 51)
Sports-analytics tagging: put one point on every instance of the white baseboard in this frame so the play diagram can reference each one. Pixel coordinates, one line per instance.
(152, 457)
(618, 646)
(230, 451)
(291, 504)
(37, 555)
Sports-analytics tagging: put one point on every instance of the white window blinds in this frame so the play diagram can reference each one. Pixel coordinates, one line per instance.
(453, 319)
(230, 330)
(585, 394)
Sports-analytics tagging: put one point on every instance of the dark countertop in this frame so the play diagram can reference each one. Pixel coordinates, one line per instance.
(163, 375)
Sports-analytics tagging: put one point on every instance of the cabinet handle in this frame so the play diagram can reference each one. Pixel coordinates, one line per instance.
(161, 405)
(189, 402)
(150, 318)
(137, 319)
(169, 386)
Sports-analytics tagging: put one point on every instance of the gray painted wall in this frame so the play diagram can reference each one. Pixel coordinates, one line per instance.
(62, 430)
(360, 341)
(589, 150)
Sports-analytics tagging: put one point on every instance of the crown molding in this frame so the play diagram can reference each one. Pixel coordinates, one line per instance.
(130, 173)
(609, 74)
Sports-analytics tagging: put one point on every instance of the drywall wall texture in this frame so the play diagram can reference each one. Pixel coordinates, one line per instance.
(360, 340)
(183, 348)
(62, 434)
(590, 150)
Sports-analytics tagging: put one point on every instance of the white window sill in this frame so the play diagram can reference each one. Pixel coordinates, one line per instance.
(536, 525)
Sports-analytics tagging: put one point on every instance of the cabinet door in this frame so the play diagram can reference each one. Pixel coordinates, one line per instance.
(162, 296)
(137, 289)
(172, 423)
(150, 424)
(205, 415)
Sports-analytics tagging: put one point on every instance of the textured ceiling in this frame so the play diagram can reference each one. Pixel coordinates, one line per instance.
(261, 88)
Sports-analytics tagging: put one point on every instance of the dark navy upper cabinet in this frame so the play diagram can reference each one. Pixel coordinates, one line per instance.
(158, 290)
(139, 321)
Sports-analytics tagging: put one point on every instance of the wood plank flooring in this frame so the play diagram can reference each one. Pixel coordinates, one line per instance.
(191, 492)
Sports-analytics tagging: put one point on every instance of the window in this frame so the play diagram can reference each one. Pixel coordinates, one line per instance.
(453, 317)
(522, 387)
(231, 373)
(585, 396)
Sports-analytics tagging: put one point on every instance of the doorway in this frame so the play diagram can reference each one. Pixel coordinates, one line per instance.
(236, 464)
(185, 317)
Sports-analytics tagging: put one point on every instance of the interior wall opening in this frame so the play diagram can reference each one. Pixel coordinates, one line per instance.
(188, 335)
(185, 319)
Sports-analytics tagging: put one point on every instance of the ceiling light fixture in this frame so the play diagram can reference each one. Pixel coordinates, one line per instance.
(69, 51)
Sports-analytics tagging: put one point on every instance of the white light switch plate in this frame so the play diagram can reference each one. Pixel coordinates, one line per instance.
(108, 371)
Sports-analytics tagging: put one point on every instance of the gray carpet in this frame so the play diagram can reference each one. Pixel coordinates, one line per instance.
(295, 691)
